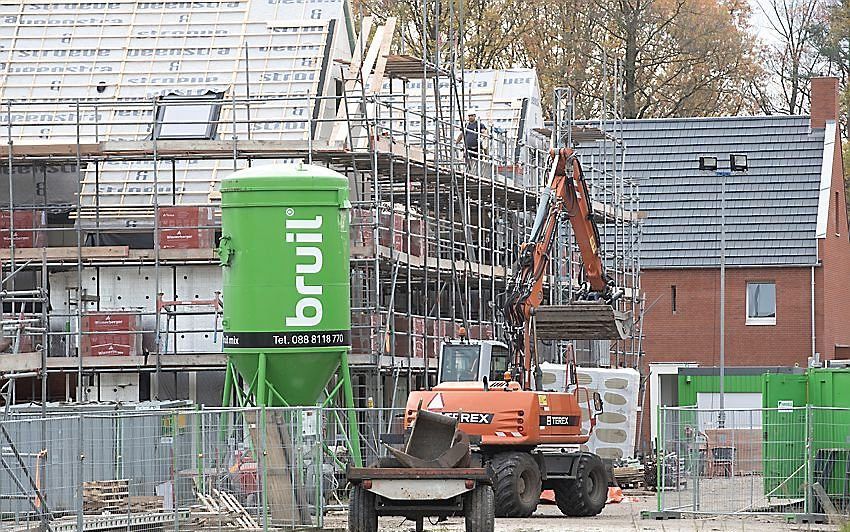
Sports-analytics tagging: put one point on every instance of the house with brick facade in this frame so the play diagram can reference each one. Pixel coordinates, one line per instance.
(778, 205)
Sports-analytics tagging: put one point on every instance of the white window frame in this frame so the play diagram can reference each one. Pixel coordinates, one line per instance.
(760, 321)
(201, 128)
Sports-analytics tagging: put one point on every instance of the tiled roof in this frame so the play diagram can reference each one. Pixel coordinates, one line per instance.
(771, 209)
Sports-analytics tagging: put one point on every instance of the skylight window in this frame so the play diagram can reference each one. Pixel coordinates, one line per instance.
(188, 117)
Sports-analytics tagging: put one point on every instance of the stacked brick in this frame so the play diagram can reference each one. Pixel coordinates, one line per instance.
(185, 227)
(116, 333)
(392, 231)
(28, 228)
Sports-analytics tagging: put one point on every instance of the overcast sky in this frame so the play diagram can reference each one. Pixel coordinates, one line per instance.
(760, 21)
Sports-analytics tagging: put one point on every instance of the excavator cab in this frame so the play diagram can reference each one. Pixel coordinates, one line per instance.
(472, 360)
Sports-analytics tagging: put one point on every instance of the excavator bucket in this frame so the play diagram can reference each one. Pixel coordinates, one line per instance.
(431, 436)
(582, 321)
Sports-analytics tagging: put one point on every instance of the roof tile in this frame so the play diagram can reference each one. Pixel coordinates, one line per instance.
(771, 210)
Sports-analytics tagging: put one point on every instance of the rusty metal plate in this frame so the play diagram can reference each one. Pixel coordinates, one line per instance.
(432, 435)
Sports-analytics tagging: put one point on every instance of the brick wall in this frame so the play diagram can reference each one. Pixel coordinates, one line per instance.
(691, 334)
(833, 292)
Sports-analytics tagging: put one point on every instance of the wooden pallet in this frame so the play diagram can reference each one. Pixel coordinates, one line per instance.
(106, 495)
(145, 503)
(222, 511)
(629, 477)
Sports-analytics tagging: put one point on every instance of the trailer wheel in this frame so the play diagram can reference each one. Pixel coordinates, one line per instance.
(479, 509)
(586, 495)
(362, 514)
(516, 484)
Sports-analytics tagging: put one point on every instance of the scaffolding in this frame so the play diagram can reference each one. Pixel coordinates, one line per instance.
(434, 228)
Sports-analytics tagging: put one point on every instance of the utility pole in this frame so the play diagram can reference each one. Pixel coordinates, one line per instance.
(721, 418)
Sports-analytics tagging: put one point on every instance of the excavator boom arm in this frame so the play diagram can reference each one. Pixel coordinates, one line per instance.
(565, 196)
(572, 192)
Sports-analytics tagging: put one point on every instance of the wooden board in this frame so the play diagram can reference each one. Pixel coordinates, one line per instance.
(377, 78)
(66, 253)
(279, 490)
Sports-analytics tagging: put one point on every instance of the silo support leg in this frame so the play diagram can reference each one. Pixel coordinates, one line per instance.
(224, 419)
(261, 380)
(353, 428)
(228, 385)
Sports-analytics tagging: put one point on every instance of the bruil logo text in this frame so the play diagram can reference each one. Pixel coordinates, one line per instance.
(307, 236)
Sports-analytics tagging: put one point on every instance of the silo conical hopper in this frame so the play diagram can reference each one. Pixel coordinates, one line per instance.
(285, 257)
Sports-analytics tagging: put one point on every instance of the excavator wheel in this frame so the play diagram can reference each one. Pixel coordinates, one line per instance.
(362, 513)
(586, 495)
(516, 484)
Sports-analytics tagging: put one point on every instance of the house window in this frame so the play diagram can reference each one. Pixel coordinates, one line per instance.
(673, 298)
(761, 303)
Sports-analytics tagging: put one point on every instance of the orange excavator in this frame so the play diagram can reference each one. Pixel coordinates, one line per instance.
(532, 439)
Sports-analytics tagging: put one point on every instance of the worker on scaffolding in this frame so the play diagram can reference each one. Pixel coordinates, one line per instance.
(471, 135)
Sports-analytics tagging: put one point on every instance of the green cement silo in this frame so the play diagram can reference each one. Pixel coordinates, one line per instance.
(285, 257)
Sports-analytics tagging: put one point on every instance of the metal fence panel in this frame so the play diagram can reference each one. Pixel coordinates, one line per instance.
(772, 460)
(184, 469)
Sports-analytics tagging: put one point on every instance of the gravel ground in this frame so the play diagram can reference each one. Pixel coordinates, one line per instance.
(621, 517)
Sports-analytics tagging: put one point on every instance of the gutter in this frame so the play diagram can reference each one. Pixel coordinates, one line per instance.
(814, 353)
(731, 266)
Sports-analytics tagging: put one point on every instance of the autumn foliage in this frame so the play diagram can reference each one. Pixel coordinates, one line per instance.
(635, 58)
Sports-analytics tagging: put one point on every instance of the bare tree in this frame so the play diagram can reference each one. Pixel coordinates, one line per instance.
(475, 33)
(666, 57)
(794, 58)
(568, 48)
(682, 57)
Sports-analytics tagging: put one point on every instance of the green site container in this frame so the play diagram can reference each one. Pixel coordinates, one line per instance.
(786, 432)
(829, 387)
(692, 385)
(285, 257)
(829, 393)
(784, 429)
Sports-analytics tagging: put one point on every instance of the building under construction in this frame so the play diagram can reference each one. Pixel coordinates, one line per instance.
(119, 119)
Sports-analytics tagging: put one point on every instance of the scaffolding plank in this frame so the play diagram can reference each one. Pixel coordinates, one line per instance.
(172, 148)
(32, 362)
(174, 254)
(276, 448)
(339, 130)
(63, 253)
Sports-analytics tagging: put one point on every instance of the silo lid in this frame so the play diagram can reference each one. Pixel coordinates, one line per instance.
(284, 177)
